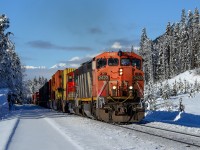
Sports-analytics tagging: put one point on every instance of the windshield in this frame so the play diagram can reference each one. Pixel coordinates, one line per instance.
(125, 62)
(113, 61)
(136, 62)
(101, 62)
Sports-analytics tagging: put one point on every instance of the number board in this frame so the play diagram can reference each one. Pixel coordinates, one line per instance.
(103, 78)
(138, 78)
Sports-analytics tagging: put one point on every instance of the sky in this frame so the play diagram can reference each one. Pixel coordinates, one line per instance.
(49, 32)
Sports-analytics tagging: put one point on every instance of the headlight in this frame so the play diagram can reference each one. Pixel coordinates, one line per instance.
(120, 71)
(130, 87)
(114, 87)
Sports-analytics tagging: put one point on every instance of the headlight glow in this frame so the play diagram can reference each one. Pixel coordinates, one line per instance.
(130, 87)
(114, 87)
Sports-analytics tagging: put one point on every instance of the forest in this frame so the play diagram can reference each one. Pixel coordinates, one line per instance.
(170, 54)
(173, 52)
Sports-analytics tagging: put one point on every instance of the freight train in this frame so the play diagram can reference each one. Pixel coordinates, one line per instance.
(109, 88)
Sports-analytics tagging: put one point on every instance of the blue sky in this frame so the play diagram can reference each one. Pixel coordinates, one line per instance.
(48, 32)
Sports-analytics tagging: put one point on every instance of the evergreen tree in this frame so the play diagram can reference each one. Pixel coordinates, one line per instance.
(10, 65)
(190, 57)
(146, 52)
(183, 43)
(196, 38)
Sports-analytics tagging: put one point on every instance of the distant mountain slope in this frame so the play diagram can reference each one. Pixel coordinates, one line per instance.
(36, 72)
(190, 76)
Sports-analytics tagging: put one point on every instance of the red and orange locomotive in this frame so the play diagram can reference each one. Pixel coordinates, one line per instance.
(110, 87)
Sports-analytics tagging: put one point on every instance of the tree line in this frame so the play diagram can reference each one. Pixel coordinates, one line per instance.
(10, 64)
(174, 52)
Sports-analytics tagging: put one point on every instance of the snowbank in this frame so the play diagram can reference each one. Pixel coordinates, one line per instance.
(189, 76)
(3, 102)
(7, 129)
(178, 118)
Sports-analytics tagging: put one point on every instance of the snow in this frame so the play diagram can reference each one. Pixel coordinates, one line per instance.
(34, 67)
(33, 130)
(189, 76)
(168, 110)
(32, 127)
(7, 128)
(60, 65)
(3, 102)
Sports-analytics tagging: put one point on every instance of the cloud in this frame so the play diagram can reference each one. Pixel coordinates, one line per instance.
(124, 42)
(116, 45)
(76, 61)
(95, 30)
(75, 58)
(48, 45)
(33, 67)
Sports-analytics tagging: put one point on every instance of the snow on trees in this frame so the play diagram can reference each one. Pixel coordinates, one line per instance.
(174, 52)
(170, 54)
(10, 65)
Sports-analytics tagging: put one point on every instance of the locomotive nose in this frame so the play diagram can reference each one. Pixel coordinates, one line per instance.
(121, 83)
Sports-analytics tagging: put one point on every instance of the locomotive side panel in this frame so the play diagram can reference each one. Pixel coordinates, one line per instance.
(56, 90)
(83, 79)
(65, 80)
(65, 88)
(83, 98)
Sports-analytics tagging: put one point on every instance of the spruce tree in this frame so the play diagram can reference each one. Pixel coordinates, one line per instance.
(10, 65)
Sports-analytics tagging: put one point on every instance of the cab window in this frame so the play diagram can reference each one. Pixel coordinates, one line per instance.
(113, 62)
(125, 62)
(136, 62)
(101, 62)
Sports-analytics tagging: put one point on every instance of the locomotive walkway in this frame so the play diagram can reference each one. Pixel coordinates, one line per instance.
(34, 132)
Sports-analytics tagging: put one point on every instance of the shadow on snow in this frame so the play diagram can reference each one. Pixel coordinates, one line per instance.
(177, 118)
(32, 112)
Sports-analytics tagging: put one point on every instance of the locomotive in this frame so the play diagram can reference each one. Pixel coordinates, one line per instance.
(109, 88)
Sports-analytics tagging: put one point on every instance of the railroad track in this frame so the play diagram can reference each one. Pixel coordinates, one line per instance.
(172, 135)
(190, 140)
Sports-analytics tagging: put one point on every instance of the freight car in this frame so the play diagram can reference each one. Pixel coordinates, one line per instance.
(109, 87)
(35, 98)
(44, 95)
(58, 90)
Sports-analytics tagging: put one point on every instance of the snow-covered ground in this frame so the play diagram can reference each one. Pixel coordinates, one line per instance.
(168, 109)
(3, 102)
(32, 127)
